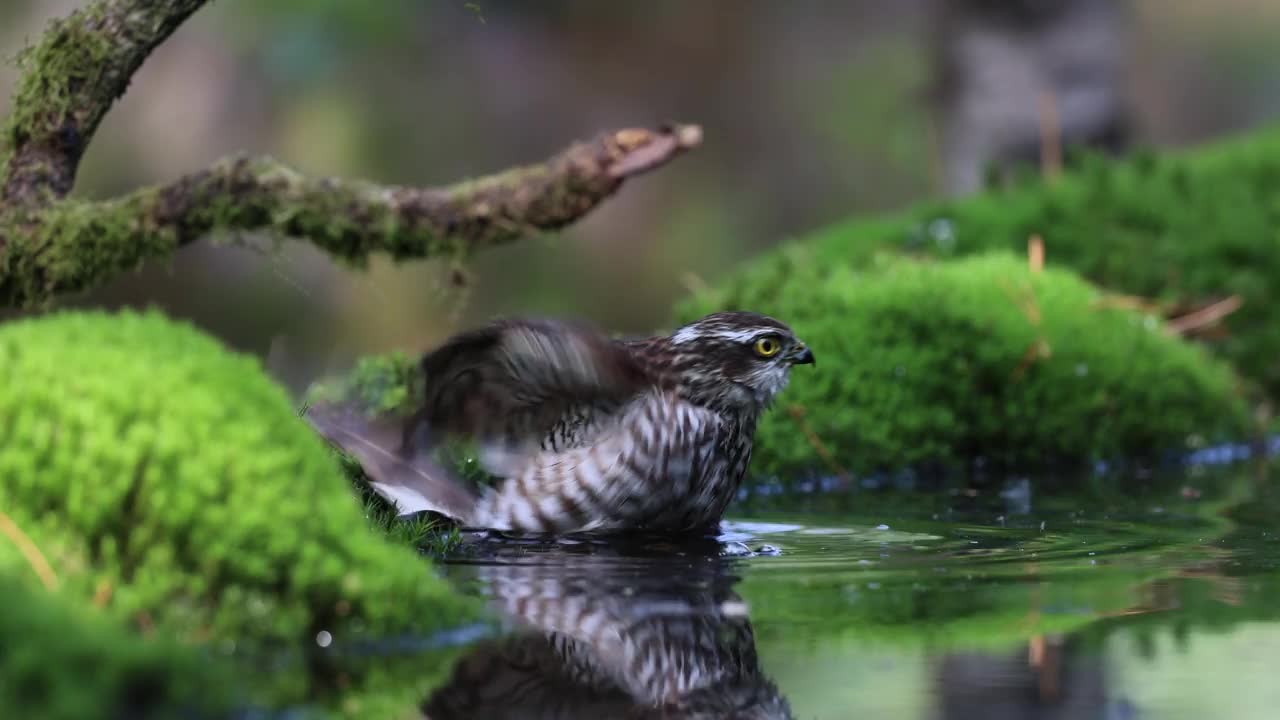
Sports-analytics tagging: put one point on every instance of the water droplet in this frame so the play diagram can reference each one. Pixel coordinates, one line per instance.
(943, 232)
(768, 550)
(324, 639)
(882, 527)
(873, 586)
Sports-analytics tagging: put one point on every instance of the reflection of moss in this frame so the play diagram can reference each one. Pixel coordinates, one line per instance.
(984, 586)
(1204, 606)
(385, 678)
(173, 479)
(57, 663)
(881, 610)
(951, 604)
(945, 362)
(1180, 226)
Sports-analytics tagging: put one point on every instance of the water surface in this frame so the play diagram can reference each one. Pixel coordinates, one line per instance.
(1101, 597)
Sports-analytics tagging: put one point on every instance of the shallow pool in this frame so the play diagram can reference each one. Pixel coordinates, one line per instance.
(1111, 597)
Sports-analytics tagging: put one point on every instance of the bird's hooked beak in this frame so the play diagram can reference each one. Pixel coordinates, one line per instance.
(802, 355)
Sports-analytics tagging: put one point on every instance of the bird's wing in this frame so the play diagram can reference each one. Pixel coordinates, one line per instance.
(411, 482)
(518, 385)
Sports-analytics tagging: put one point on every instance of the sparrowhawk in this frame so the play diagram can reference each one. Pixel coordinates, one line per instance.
(588, 433)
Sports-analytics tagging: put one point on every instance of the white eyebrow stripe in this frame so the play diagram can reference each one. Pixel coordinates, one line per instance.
(742, 336)
(689, 334)
(685, 334)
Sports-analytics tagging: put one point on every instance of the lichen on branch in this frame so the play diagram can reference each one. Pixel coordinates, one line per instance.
(50, 244)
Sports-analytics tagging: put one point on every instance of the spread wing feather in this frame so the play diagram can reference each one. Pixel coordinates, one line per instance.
(520, 385)
(514, 386)
(410, 481)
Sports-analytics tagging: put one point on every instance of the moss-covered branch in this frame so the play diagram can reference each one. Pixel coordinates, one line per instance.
(70, 79)
(49, 244)
(73, 245)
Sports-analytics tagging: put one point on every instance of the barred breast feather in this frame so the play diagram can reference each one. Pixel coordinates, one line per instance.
(647, 465)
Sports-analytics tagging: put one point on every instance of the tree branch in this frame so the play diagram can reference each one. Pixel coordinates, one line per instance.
(82, 64)
(51, 244)
(74, 245)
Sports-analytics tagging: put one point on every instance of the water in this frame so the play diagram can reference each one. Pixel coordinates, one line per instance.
(1134, 597)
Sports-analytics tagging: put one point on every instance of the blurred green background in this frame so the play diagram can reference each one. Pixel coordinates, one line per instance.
(812, 112)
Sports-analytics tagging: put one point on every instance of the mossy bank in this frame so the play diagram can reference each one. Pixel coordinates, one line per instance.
(939, 364)
(1182, 227)
(174, 485)
(59, 661)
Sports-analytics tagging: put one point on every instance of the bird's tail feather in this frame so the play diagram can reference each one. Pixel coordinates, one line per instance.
(409, 480)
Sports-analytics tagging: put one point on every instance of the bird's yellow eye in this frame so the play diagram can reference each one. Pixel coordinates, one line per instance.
(768, 347)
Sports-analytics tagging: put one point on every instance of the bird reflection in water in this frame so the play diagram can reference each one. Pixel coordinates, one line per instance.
(601, 636)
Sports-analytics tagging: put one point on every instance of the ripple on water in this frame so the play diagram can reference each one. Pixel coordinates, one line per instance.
(835, 616)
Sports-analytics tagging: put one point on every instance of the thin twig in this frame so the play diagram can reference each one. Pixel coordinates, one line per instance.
(1025, 301)
(1111, 301)
(1035, 253)
(102, 593)
(694, 283)
(797, 413)
(1039, 348)
(1050, 136)
(34, 557)
(1204, 316)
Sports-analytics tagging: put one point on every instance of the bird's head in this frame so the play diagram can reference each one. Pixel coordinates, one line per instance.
(737, 360)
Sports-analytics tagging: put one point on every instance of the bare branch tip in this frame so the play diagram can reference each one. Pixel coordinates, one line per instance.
(639, 150)
(688, 136)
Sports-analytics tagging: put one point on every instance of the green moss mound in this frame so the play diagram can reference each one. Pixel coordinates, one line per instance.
(175, 481)
(938, 363)
(1185, 227)
(377, 384)
(62, 663)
